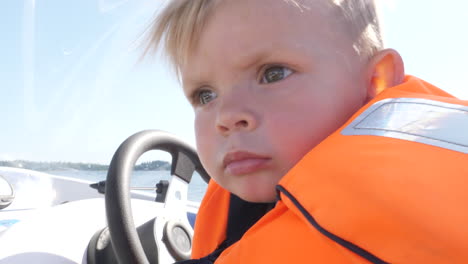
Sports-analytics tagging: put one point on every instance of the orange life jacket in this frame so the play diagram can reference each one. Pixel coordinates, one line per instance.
(390, 186)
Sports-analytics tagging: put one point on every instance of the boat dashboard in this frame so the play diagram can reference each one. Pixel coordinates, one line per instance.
(76, 223)
(67, 230)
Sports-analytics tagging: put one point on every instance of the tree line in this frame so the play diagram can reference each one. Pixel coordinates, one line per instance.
(63, 165)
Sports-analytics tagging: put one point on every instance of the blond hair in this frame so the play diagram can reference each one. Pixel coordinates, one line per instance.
(362, 23)
(178, 26)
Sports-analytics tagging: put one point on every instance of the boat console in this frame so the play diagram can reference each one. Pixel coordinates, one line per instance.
(118, 226)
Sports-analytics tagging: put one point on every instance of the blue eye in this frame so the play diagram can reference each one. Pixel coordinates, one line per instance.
(205, 96)
(275, 73)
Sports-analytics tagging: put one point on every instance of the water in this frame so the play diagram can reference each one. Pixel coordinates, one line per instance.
(197, 186)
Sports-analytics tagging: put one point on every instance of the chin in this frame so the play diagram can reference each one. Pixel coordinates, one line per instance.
(256, 189)
(258, 197)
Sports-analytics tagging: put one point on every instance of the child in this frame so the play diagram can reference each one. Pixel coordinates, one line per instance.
(310, 162)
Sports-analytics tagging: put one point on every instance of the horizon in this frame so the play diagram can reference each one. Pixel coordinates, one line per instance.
(84, 163)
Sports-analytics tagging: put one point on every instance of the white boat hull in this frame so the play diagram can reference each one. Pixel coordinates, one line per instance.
(52, 219)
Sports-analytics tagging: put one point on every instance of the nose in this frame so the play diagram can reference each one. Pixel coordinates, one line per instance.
(237, 115)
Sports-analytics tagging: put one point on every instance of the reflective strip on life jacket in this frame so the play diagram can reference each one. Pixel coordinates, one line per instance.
(420, 120)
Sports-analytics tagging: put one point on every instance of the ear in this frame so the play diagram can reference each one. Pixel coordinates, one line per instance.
(385, 69)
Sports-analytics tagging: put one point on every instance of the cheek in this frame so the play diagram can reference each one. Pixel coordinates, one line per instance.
(295, 139)
(300, 126)
(204, 140)
(200, 134)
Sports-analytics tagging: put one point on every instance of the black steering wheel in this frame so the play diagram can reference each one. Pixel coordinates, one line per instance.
(125, 240)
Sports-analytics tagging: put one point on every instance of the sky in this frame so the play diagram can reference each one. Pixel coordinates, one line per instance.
(72, 87)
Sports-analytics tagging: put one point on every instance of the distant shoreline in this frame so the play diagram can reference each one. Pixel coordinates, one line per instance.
(61, 165)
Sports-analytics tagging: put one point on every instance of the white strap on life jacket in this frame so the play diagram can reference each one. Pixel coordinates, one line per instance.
(419, 120)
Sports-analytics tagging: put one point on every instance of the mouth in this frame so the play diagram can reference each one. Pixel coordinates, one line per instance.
(241, 163)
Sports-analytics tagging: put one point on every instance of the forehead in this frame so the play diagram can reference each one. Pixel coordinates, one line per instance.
(240, 31)
(234, 15)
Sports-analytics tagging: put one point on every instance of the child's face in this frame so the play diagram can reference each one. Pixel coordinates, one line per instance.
(268, 83)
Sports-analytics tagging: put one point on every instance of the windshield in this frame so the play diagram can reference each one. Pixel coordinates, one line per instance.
(74, 86)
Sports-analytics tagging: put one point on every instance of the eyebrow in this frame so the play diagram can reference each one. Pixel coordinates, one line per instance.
(193, 83)
(255, 58)
(246, 61)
